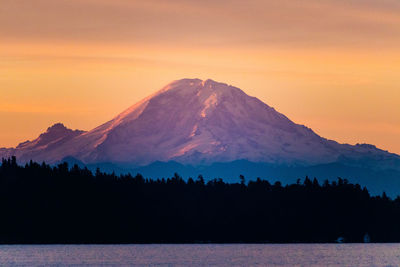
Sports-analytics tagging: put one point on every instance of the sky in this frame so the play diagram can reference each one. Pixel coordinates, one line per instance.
(332, 65)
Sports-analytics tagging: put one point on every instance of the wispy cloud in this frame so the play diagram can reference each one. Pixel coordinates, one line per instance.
(366, 23)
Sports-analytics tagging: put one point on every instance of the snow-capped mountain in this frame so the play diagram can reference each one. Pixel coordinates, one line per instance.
(197, 122)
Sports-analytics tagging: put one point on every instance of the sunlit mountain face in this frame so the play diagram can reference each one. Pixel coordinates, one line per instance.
(193, 121)
(194, 126)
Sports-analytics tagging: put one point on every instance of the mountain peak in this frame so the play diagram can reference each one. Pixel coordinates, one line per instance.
(54, 137)
(57, 131)
(195, 121)
(194, 84)
(57, 127)
(209, 82)
(205, 91)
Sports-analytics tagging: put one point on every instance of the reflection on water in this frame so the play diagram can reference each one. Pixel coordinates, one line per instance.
(202, 255)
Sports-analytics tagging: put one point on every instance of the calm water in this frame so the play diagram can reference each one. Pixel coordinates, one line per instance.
(202, 255)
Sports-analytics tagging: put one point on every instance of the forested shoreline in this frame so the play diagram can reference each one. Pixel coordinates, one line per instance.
(68, 204)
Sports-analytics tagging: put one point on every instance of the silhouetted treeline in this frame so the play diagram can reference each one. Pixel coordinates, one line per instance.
(44, 204)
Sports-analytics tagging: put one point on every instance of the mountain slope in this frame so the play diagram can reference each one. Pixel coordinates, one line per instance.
(197, 122)
(48, 144)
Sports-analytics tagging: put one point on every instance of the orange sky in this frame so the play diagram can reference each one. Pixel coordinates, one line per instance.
(333, 65)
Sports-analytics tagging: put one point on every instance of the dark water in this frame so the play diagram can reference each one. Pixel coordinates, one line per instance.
(202, 255)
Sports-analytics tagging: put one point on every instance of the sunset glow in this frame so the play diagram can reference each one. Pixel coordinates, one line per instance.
(332, 65)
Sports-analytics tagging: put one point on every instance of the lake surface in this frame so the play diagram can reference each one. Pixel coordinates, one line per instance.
(202, 255)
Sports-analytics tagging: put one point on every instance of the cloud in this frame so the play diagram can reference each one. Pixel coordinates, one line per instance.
(367, 23)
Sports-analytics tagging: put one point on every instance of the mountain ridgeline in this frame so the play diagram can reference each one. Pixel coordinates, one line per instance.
(202, 126)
